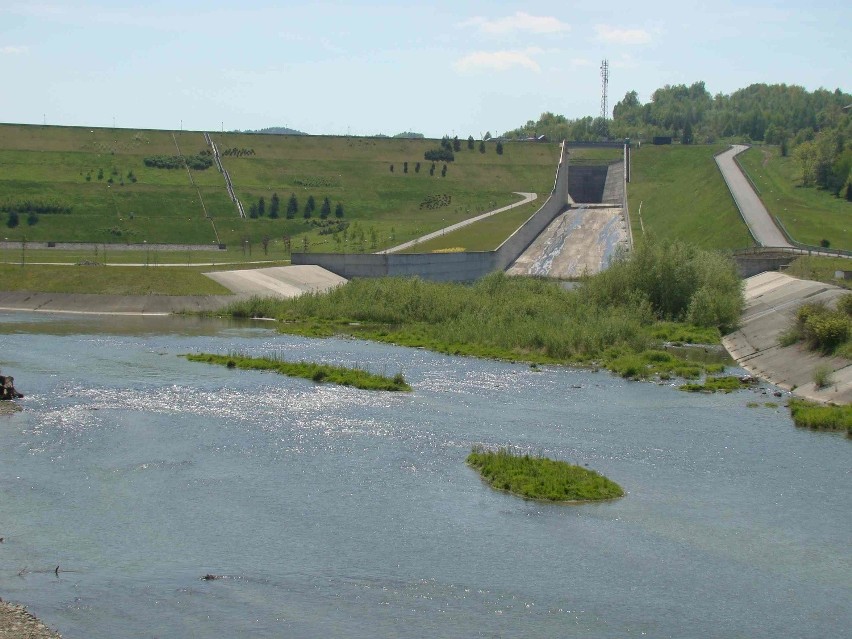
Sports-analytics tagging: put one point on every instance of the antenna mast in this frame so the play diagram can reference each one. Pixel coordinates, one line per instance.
(604, 88)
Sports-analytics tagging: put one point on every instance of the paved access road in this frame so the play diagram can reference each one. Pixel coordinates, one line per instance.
(758, 219)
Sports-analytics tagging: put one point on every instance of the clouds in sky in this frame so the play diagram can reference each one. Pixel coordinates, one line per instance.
(520, 22)
(12, 50)
(499, 60)
(614, 35)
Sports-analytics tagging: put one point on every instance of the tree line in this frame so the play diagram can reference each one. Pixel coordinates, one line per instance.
(195, 162)
(815, 127)
(273, 211)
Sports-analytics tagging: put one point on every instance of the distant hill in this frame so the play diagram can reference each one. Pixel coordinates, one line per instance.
(276, 130)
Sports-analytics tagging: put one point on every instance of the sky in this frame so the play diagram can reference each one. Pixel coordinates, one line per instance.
(363, 68)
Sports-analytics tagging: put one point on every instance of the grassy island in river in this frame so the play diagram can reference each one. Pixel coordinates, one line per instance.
(317, 372)
(541, 478)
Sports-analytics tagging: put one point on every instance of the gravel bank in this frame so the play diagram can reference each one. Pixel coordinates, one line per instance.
(17, 623)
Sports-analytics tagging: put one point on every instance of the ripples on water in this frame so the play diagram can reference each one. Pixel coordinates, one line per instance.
(339, 512)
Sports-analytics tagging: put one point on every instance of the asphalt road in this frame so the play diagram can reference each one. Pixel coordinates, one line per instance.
(758, 219)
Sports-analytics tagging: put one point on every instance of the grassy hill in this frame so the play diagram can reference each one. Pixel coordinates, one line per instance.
(683, 196)
(810, 215)
(93, 185)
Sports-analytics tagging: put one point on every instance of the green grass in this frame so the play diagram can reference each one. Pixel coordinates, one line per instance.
(51, 164)
(820, 269)
(725, 384)
(818, 417)
(810, 215)
(541, 478)
(683, 196)
(320, 373)
(109, 280)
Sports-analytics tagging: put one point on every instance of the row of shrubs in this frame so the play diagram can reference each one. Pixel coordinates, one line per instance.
(417, 169)
(28, 206)
(198, 162)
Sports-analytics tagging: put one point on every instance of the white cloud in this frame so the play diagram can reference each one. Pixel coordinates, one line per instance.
(499, 60)
(12, 50)
(580, 62)
(519, 22)
(613, 35)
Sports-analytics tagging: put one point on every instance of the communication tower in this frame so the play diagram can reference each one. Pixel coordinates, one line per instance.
(604, 88)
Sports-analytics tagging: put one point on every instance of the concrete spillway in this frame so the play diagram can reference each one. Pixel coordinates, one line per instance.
(583, 240)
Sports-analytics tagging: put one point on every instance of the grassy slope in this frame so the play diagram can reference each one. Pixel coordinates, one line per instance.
(810, 215)
(50, 164)
(683, 196)
(112, 280)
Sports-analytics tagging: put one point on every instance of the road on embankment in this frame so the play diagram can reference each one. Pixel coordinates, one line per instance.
(772, 300)
(763, 228)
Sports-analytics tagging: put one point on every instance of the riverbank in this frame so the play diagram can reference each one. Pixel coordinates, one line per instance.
(17, 623)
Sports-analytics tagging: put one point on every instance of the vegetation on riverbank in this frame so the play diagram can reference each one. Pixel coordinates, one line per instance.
(540, 477)
(320, 373)
(823, 329)
(820, 417)
(724, 384)
(614, 315)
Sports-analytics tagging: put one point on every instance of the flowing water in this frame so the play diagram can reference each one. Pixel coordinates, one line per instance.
(335, 512)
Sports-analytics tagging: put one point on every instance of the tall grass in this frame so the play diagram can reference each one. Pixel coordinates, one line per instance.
(809, 415)
(540, 477)
(612, 316)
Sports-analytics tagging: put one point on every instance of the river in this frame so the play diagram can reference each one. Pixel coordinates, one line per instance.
(336, 512)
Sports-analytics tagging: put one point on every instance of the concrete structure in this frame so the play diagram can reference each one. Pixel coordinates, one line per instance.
(277, 281)
(760, 223)
(771, 303)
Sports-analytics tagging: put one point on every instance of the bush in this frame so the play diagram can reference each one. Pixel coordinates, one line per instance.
(439, 155)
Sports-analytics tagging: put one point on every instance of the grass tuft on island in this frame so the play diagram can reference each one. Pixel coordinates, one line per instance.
(319, 373)
(541, 478)
(723, 384)
(819, 417)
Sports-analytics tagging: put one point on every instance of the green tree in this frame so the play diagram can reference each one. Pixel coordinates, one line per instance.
(253, 214)
(325, 209)
(261, 207)
(417, 168)
(338, 210)
(499, 148)
(482, 146)
(444, 171)
(686, 138)
(470, 143)
(405, 167)
(292, 206)
(13, 220)
(274, 206)
(32, 218)
(310, 206)
(456, 144)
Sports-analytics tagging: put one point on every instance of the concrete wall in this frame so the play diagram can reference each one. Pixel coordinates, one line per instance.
(586, 183)
(613, 192)
(462, 267)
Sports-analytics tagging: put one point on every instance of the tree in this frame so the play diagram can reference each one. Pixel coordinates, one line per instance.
(261, 207)
(499, 148)
(391, 168)
(482, 146)
(310, 206)
(487, 135)
(253, 214)
(265, 243)
(405, 167)
(456, 144)
(417, 168)
(292, 206)
(432, 169)
(444, 171)
(274, 206)
(325, 209)
(338, 210)
(686, 138)
(470, 142)
(13, 220)
(32, 218)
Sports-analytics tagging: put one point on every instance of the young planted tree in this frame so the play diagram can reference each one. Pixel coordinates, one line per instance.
(13, 220)
(456, 144)
(253, 211)
(338, 210)
(417, 168)
(292, 206)
(482, 146)
(405, 167)
(444, 171)
(325, 209)
(274, 206)
(261, 207)
(499, 148)
(310, 206)
(470, 143)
